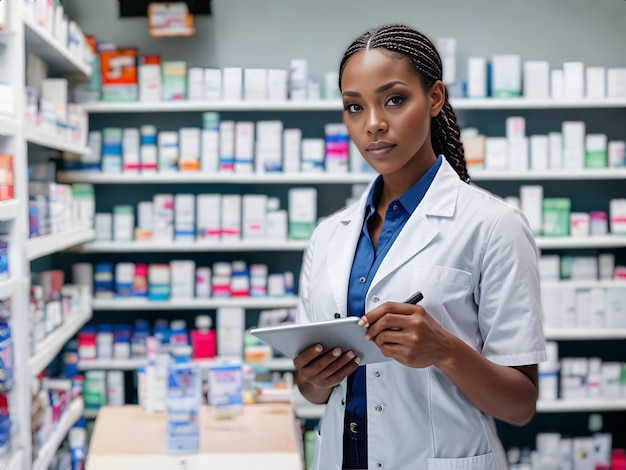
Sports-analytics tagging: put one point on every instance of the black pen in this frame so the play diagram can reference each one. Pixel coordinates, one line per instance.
(415, 298)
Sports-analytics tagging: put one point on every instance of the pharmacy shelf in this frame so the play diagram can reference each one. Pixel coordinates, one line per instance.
(588, 404)
(596, 241)
(281, 364)
(112, 364)
(337, 105)
(218, 178)
(41, 43)
(45, 455)
(12, 460)
(48, 244)
(8, 125)
(9, 209)
(43, 139)
(48, 349)
(523, 103)
(187, 105)
(195, 303)
(310, 411)
(566, 284)
(5, 37)
(584, 333)
(171, 247)
(7, 289)
(585, 174)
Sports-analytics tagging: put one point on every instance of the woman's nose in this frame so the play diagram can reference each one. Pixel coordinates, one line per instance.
(375, 123)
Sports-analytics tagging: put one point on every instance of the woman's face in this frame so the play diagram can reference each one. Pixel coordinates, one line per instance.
(388, 112)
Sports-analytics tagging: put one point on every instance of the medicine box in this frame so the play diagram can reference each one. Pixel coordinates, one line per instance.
(184, 396)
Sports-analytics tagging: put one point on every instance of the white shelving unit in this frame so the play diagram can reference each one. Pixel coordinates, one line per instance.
(336, 105)
(9, 209)
(567, 284)
(7, 289)
(585, 333)
(194, 304)
(13, 460)
(112, 364)
(608, 241)
(588, 405)
(41, 43)
(68, 419)
(171, 247)
(596, 241)
(314, 412)
(277, 364)
(319, 178)
(8, 125)
(16, 138)
(218, 178)
(48, 244)
(587, 174)
(48, 349)
(43, 139)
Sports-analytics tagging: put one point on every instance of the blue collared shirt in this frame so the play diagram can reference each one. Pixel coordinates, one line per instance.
(367, 260)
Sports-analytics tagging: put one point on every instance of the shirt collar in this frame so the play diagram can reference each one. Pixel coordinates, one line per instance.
(410, 199)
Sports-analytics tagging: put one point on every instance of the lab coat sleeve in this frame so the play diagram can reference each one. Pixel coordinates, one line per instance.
(508, 295)
(303, 310)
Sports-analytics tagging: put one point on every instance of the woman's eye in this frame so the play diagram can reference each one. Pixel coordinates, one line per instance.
(395, 100)
(352, 108)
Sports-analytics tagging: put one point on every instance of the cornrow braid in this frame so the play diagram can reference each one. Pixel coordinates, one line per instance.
(425, 60)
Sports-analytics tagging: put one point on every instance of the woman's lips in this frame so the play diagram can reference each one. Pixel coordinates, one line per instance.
(379, 149)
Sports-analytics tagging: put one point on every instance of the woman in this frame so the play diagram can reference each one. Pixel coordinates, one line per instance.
(468, 352)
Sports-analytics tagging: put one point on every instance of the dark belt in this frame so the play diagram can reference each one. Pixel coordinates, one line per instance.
(355, 428)
(354, 443)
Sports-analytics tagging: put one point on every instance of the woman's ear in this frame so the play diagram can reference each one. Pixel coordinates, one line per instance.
(437, 95)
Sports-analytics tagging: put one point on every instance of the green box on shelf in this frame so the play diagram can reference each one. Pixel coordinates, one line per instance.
(556, 212)
(300, 230)
(174, 80)
(596, 159)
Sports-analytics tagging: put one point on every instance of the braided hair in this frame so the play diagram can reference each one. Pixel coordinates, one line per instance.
(425, 60)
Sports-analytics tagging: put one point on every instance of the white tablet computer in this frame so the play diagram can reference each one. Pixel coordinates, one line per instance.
(344, 333)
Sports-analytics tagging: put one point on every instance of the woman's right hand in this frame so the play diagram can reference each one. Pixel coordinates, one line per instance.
(326, 369)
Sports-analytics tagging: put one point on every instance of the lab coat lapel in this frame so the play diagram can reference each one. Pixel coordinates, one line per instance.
(341, 249)
(418, 233)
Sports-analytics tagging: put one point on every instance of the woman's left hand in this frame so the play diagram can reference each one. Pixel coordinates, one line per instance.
(408, 334)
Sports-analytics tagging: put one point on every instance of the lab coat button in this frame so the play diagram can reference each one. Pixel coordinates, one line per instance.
(375, 299)
(379, 465)
(378, 408)
(377, 374)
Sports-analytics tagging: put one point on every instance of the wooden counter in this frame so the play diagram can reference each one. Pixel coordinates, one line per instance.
(264, 436)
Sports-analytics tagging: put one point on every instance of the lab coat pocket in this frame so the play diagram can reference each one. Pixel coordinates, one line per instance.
(437, 275)
(443, 287)
(479, 462)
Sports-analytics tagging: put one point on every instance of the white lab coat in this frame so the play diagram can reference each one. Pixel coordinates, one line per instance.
(474, 259)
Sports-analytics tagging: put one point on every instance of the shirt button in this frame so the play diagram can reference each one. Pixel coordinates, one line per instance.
(379, 465)
(377, 374)
(343, 402)
(395, 207)
(362, 280)
(378, 408)
(375, 299)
